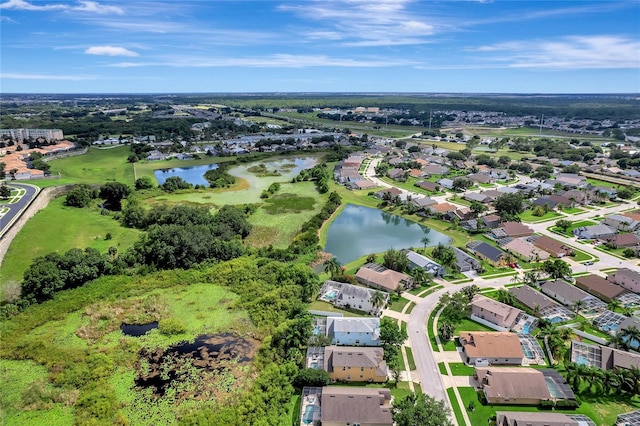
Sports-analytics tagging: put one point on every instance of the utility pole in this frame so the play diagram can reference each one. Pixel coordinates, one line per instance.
(541, 121)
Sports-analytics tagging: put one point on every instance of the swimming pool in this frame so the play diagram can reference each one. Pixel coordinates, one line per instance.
(330, 295)
(309, 411)
(582, 360)
(314, 365)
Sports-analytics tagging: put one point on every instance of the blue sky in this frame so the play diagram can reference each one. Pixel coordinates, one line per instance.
(58, 46)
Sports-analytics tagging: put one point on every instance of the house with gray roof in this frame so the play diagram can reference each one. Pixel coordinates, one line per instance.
(621, 223)
(488, 252)
(477, 196)
(594, 232)
(416, 260)
(569, 295)
(524, 418)
(548, 308)
(465, 261)
(446, 183)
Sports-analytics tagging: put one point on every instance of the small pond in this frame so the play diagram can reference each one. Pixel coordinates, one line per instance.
(194, 175)
(359, 231)
(137, 330)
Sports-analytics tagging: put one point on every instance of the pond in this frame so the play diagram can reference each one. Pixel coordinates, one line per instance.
(194, 174)
(359, 231)
(137, 330)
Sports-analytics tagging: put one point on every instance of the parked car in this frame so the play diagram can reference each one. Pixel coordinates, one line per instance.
(588, 263)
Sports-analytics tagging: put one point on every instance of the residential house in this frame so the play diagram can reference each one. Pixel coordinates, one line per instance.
(423, 202)
(569, 295)
(492, 194)
(465, 261)
(461, 214)
(416, 260)
(599, 287)
(571, 180)
(441, 208)
(594, 232)
(481, 178)
(621, 223)
(523, 249)
(603, 357)
(428, 186)
(553, 201)
(554, 247)
(576, 196)
(435, 169)
(155, 155)
(502, 317)
(396, 173)
(513, 385)
(606, 191)
(523, 418)
(512, 229)
(495, 348)
(507, 190)
(477, 196)
(634, 215)
(487, 252)
(389, 193)
(626, 278)
(350, 406)
(355, 364)
(416, 173)
(446, 183)
(355, 297)
(624, 240)
(353, 331)
(547, 308)
(491, 221)
(377, 276)
(361, 184)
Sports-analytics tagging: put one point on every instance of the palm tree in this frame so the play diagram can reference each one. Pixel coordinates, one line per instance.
(333, 267)
(618, 342)
(377, 299)
(505, 296)
(420, 276)
(631, 335)
(425, 241)
(595, 379)
(610, 381)
(577, 306)
(614, 305)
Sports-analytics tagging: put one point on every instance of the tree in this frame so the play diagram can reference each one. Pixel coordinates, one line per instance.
(445, 330)
(614, 305)
(564, 224)
(5, 192)
(425, 240)
(113, 193)
(556, 268)
(391, 337)
(333, 267)
(311, 377)
(396, 260)
(423, 410)
(477, 207)
(144, 182)
(378, 299)
(577, 306)
(420, 277)
(462, 183)
(174, 183)
(509, 204)
(371, 258)
(505, 296)
(628, 252)
(446, 257)
(80, 196)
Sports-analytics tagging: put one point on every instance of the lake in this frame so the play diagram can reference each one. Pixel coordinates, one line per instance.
(194, 175)
(359, 231)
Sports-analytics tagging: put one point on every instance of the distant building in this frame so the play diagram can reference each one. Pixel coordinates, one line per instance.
(21, 135)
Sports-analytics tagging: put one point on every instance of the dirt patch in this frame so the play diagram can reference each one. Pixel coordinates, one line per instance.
(212, 366)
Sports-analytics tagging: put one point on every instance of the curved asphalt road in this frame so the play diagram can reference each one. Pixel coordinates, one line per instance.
(16, 208)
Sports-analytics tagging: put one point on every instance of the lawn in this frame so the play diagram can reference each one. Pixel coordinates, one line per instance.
(573, 210)
(422, 292)
(469, 325)
(569, 232)
(603, 410)
(528, 216)
(295, 405)
(460, 369)
(410, 360)
(457, 411)
(432, 337)
(443, 369)
(97, 166)
(60, 228)
(398, 304)
(319, 305)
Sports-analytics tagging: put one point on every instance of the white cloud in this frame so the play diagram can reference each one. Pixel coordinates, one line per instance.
(573, 52)
(110, 51)
(272, 61)
(20, 76)
(82, 6)
(364, 22)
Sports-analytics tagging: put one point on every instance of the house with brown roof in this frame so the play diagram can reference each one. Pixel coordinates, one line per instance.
(396, 173)
(416, 173)
(393, 192)
(377, 276)
(435, 169)
(502, 317)
(626, 278)
(429, 186)
(495, 348)
(523, 249)
(569, 295)
(481, 178)
(491, 221)
(343, 406)
(599, 287)
(546, 306)
(355, 364)
(512, 229)
(441, 208)
(554, 247)
(624, 240)
(524, 418)
(512, 385)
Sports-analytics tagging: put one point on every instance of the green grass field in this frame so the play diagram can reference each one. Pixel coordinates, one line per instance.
(528, 216)
(97, 166)
(60, 228)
